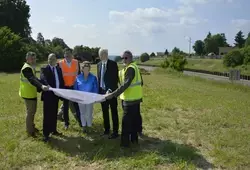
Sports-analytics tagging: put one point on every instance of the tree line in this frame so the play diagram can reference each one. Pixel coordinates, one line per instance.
(16, 40)
(212, 43)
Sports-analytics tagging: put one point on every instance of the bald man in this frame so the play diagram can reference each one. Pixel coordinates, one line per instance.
(51, 75)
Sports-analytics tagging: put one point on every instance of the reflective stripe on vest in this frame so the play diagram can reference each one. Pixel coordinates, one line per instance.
(26, 89)
(69, 73)
(134, 91)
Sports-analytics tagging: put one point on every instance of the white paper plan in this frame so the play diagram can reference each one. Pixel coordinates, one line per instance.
(78, 96)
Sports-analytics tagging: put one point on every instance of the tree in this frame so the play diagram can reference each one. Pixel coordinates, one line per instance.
(58, 50)
(152, 54)
(247, 42)
(246, 53)
(59, 42)
(178, 62)
(213, 42)
(144, 57)
(95, 54)
(82, 53)
(209, 35)
(85, 53)
(166, 52)
(239, 39)
(15, 14)
(40, 39)
(199, 47)
(48, 42)
(233, 58)
(12, 50)
(223, 40)
(176, 50)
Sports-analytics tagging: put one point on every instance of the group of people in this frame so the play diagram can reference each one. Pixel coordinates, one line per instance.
(69, 74)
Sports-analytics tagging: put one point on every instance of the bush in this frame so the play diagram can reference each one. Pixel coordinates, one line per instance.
(165, 63)
(233, 58)
(247, 42)
(144, 57)
(117, 58)
(12, 53)
(178, 62)
(246, 53)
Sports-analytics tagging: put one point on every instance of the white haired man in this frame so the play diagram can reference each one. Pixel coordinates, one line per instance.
(107, 74)
(29, 85)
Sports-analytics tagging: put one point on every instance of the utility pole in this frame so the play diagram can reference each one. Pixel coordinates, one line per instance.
(189, 40)
(189, 44)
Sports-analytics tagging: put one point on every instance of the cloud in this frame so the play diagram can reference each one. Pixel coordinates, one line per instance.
(241, 25)
(240, 22)
(59, 19)
(86, 31)
(149, 21)
(193, 2)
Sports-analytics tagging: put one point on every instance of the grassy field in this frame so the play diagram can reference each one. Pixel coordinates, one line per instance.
(189, 123)
(203, 64)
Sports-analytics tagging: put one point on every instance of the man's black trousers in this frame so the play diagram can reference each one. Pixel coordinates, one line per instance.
(130, 124)
(50, 109)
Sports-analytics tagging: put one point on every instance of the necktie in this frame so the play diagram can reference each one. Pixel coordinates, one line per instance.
(53, 70)
(102, 76)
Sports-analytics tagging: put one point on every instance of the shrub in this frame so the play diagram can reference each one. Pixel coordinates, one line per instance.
(246, 53)
(117, 58)
(178, 62)
(12, 53)
(144, 57)
(247, 42)
(233, 58)
(165, 63)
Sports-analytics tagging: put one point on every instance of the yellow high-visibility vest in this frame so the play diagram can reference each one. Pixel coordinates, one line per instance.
(134, 91)
(26, 89)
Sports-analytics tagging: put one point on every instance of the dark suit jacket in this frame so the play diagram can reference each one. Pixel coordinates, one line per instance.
(47, 78)
(111, 78)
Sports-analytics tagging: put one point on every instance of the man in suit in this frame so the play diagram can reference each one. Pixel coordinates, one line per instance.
(107, 74)
(51, 75)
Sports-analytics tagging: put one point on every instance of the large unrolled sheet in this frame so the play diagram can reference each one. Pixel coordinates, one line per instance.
(78, 96)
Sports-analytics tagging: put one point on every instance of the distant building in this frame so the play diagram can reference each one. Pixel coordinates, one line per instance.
(160, 54)
(225, 50)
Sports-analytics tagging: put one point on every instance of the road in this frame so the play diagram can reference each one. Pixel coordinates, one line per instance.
(207, 76)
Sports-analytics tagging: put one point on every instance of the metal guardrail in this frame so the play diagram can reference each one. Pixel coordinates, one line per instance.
(224, 74)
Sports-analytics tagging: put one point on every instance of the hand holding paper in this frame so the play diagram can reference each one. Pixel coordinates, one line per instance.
(108, 96)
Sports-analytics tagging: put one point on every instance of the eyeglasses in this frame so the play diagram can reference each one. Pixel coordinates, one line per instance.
(125, 58)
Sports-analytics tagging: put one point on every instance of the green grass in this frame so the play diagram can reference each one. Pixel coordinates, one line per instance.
(189, 123)
(203, 64)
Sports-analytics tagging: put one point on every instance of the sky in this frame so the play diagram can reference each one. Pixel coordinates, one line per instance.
(138, 25)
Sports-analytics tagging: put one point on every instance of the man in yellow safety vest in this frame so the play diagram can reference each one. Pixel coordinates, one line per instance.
(130, 93)
(29, 84)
